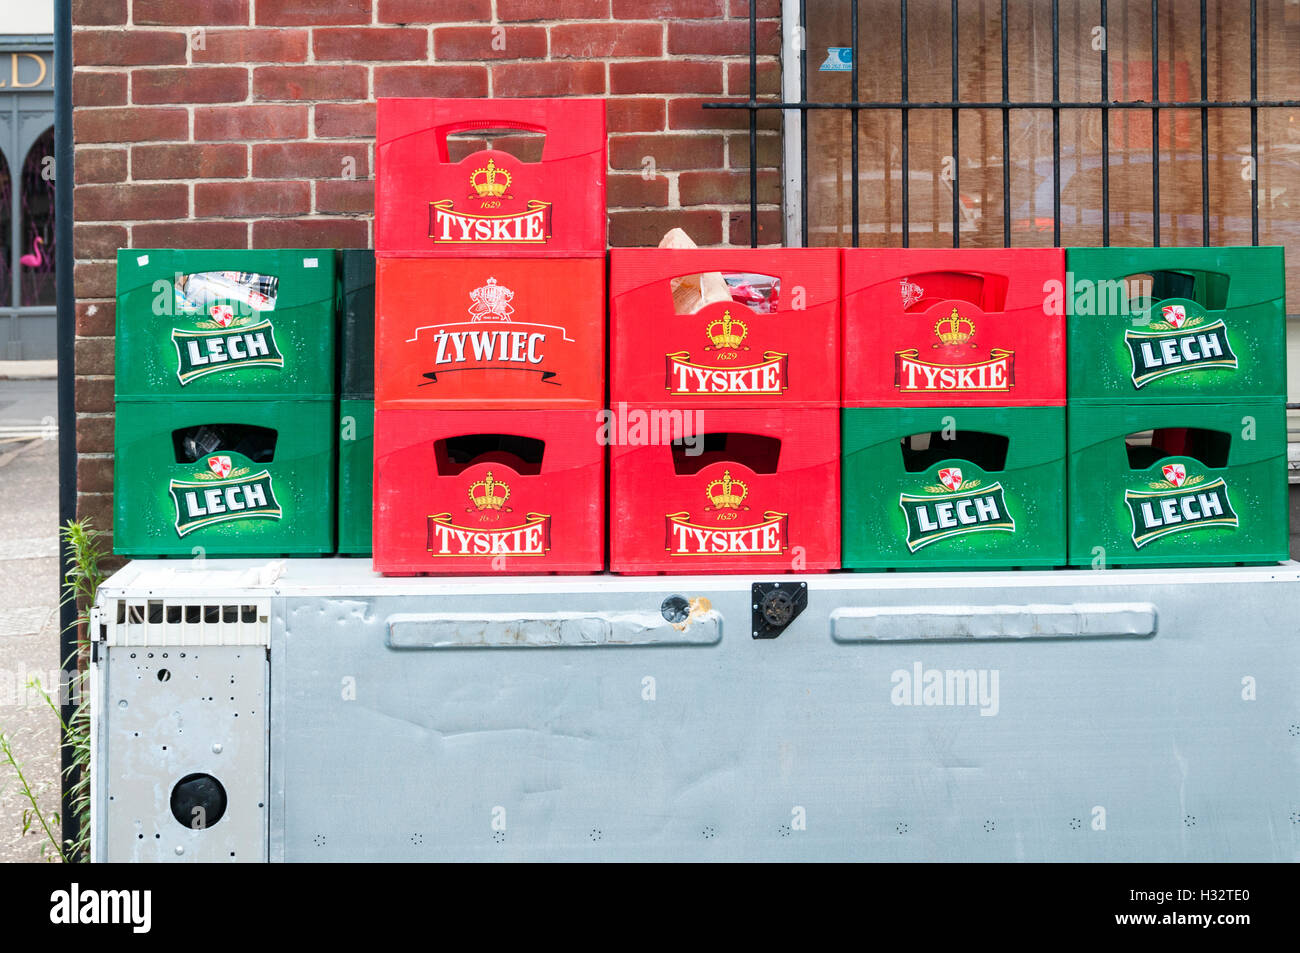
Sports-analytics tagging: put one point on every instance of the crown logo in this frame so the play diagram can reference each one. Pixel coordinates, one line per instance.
(488, 494)
(912, 292)
(954, 329)
(726, 494)
(491, 302)
(490, 182)
(727, 332)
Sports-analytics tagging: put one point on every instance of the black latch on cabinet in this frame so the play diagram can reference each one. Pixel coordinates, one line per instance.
(776, 605)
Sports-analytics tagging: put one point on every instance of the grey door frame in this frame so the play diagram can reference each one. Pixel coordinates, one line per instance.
(29, 114)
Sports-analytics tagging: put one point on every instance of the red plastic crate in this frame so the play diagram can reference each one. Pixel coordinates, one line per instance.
(762, 493)
(490, 202)
(952, 327)
(477, 333)
(747, 351)
(448, 500)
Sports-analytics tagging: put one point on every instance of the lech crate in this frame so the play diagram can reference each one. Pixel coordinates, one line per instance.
(1176, 324)
(228, 324)
(224, 478)
(953, 488)
(942, 327)
(356, 399)
(1188, 484)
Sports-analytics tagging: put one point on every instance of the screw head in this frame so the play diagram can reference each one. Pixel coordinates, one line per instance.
(216, 748)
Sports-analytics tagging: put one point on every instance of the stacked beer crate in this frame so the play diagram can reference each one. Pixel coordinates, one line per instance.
(490, 336)
(356, 419)
(954, 409)
(225, 377)
(1177, 385)
(724, 396)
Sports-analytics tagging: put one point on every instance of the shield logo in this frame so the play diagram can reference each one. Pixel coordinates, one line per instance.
(1175, 473)
(1175, 315)
(223, 314)
(220, 466)
(950, 477)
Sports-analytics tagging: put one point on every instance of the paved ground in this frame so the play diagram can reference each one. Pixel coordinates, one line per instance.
(29, 622)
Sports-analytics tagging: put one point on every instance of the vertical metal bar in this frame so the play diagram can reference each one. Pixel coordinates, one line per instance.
(907, 227)
(1105, 129)
(65, 322)
(1155, 123)
(1205, 138)
(853, 115)
(956, 142)
(1006, 137)
(1254, 128)
(1056, 123)
(753, 126)
(803, 121)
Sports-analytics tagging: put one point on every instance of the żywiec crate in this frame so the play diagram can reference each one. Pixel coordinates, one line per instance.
(711, 491)
(1164, 325)
(725, 327)
(1178, 484)
(478, 333)
(929, 327)
(228, 324)
(224, 478)
(953, 488)
(489, 202)
(462, 491)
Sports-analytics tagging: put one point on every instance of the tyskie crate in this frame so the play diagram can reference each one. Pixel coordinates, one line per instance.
(1178, 484)
(228, 324)
(725, 328)
(224, 478)
(356, 423)
(478, 333)
(1164, 325)
(489, 202)
(933, 327)
(954, 488)
(706, 491)
(460, 491)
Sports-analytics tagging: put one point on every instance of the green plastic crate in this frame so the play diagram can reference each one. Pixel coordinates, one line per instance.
(357, 399)
(222, 338)
(223, 494)
(1188, 499)
(356, 475)
(940, 509)
(1203, 325)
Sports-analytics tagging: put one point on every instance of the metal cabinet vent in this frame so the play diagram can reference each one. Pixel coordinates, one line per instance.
(182, 622)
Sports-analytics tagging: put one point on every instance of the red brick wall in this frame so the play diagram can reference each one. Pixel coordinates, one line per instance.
(229, 123)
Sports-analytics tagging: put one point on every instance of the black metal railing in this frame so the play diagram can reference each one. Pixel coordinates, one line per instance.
(1006, 105)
